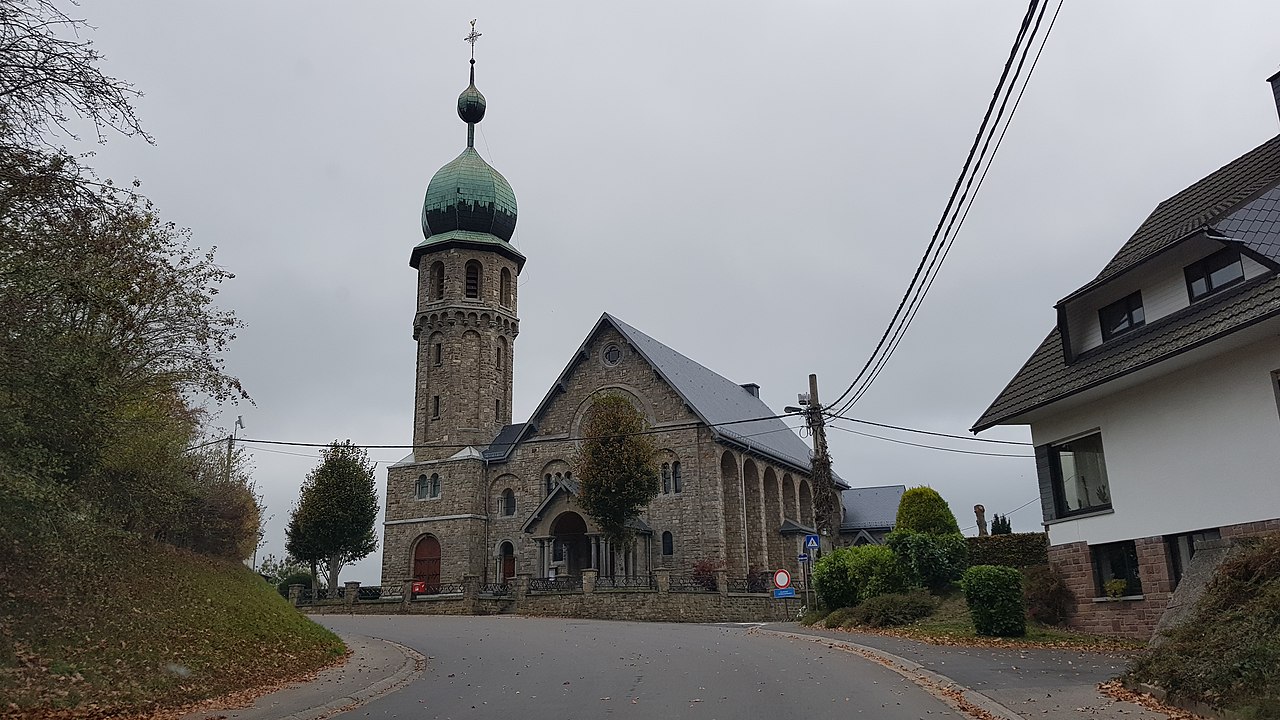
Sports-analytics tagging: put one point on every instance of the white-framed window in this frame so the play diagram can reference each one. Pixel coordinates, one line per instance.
(428, 487)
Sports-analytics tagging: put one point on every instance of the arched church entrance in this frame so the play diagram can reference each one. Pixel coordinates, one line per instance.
(508, 555)
(570, 548)
(426, 561)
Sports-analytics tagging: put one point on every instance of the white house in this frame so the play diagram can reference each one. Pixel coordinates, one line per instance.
(1154, 404)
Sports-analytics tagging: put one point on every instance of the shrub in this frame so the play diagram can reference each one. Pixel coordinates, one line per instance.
(301, 578)
(1012, 550)
(837, 617)
(994, 596)
(934, 560)
(1046, 594)
(1226, 652)
(813, 617)
(847, 576)
(894, 609)
(704, 573)
(1000, 525)
(922, 509)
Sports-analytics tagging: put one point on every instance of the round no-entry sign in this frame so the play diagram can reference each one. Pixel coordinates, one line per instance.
(781, 579)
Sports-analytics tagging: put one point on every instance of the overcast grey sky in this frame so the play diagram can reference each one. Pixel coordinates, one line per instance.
(751, 183)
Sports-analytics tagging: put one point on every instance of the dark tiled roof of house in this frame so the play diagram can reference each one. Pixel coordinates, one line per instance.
(1046, 377)
(1240, 202)
(871, 507)
(1199, 206)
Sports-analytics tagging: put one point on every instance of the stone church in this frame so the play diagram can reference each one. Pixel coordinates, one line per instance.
(484, 497)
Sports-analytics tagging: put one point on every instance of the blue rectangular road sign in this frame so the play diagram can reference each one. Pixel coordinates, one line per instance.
(784, 592)
(810, 542)
(802, 557)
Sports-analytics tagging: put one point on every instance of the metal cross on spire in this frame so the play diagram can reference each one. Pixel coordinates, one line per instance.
(472, 37)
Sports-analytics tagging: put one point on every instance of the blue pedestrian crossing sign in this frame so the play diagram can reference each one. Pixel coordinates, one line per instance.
(810, 542)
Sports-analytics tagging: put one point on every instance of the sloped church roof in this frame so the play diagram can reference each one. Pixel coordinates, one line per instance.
(712, 397)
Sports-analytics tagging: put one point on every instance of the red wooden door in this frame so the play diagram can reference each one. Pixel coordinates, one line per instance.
(426, 561)
(508, 563)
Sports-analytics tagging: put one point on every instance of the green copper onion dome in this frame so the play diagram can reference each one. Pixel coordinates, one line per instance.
(468, 194)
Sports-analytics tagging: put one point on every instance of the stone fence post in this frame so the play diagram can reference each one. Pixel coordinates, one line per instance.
(295, 594)
(406, 594)
(470, 591)
(350, 589)
(662, 577)
(522, 587)
(589, 580)
(722, 581)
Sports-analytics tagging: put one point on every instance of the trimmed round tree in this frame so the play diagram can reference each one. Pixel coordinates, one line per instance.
(923, 510)
(617, 475)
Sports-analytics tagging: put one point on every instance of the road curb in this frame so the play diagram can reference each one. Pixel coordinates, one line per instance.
(936, 684)
(413, 666)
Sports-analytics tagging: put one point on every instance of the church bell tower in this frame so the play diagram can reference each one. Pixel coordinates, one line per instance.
(466, 323)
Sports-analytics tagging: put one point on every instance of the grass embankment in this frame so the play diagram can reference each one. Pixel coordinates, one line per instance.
(1227, 652)
(97, 623)
(951, 624)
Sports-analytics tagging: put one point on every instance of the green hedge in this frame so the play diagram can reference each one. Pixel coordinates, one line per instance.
(846, 576)
(935, 561)
(1017, 550)
(893, 609)
(994, 596)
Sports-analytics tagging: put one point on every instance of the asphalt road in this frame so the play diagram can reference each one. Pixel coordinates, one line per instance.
(555, 669)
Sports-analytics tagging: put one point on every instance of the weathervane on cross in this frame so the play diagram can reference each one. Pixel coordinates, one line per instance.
(472, 37)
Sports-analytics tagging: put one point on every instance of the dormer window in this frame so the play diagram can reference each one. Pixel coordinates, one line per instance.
(1122, 316)
(1217, 272)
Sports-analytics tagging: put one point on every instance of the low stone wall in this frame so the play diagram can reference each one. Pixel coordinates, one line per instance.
(659, 604)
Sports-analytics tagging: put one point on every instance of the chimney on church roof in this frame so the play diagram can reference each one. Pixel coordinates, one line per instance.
(752, 388)
(1275, 89)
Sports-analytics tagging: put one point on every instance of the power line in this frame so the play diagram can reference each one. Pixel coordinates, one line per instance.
(926, 432)
(930, 261)
(533, 441)
(975, 527)
(948, 242)
(930, 447)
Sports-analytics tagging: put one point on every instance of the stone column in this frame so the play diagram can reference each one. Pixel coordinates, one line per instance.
(589, 581)
(295, 594)
(542, 557)
(521, 588)
(662, 576)
(595, 553)
(350, 590)
(406, 594)
(722, 581)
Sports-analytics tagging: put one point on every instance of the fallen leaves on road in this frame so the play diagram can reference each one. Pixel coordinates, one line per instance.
(1115, 689)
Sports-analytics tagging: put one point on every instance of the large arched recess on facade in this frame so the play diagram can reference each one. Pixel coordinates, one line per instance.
(779, 554)
(426, 559)
(752, 493)
(734, 539)
(806, 504)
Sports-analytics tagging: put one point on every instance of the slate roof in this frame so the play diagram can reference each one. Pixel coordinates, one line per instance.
(716, 399)
(871, 507)
(1199, 206)
(507, 437)
(1238, 203)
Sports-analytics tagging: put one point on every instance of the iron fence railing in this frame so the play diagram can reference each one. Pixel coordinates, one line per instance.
(556, 584)
(626, 582)
(428, 589)
(693, 583)
(372, 592)
(753, 583)
(499, 588)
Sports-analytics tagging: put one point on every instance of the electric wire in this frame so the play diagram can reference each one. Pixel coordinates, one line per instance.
(930, 447)
(967, 438)
(955, 191)
(950, 235)
(975, 527)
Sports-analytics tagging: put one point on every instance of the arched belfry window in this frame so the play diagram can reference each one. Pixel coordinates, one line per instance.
(428, 486)
(473, 278)
(505, 288)
(668, 543)
(666, 478)
(676, 485)
(436, 291)
(501, 354)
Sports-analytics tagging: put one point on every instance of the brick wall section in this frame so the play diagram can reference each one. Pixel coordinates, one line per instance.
(1135, 619)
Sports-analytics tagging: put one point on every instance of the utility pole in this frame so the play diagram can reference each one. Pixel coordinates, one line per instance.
(826, 504)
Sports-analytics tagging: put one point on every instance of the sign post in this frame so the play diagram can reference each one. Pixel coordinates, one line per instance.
(812, 543)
